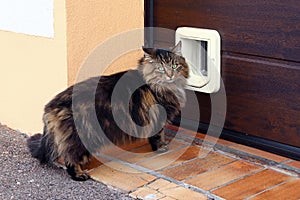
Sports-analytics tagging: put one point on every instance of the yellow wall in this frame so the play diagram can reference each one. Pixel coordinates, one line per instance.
(91, 22)
(32, 70)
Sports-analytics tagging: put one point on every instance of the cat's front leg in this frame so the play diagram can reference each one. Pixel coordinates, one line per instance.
(158, 143)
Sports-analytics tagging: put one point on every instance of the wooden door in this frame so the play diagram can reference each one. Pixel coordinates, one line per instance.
(260, 60)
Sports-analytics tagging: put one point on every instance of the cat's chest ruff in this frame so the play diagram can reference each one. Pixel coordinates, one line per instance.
(172, 96)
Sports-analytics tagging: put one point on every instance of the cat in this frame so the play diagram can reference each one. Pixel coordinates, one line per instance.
(163, 74)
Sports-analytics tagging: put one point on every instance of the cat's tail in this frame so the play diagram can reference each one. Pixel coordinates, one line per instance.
(40, 148)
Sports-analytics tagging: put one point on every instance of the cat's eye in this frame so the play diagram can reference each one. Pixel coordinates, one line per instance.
(174, 66)
(161, 69)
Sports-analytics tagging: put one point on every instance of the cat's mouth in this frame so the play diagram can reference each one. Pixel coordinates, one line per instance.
(169, 79)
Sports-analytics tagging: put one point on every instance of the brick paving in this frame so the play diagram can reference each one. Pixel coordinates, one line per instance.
(192, 171)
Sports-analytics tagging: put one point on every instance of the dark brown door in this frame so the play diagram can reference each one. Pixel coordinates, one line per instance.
(260, 60)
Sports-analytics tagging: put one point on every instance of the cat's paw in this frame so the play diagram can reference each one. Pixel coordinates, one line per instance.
(162, 149)
(76, 173)
(81, 177)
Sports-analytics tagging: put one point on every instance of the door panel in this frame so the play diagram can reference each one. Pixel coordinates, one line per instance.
(263, 98)
(260, 60)
(261, 28)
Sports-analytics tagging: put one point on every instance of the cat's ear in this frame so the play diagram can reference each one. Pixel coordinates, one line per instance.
(177, 49)
(148, 52)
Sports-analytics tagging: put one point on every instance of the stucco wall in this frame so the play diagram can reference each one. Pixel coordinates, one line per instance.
(91, 22)
(32, 70)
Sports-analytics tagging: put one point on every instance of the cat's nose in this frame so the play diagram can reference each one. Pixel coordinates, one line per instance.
(170, 78)
(170, 75)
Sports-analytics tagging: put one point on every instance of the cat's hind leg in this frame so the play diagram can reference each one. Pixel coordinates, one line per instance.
(75, 155)
(77, 173)
(74, 168)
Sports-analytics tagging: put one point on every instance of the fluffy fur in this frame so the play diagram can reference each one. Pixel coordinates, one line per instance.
(163, 76)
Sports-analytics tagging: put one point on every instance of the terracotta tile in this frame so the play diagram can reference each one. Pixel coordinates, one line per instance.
(175, 144)
(194, 134)
(115, 151)
(197, 166)
(190, 153)
(164, 160)
(146, 193)
(145, 153)
(260, 153)
(111, 151)
(121, 176)
(214, 140)
(173, 158)
(167, 198)
(174, 191)
(138, 154)
(294, 163)
(289, 190)
(202, 136)
(94, 163)
(222, 175)
(137, 151)
(135, 144)
(181, 193)
(161, 184)
(251, 185)
(143, 149)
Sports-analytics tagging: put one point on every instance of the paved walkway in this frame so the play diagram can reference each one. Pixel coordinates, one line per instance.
(189, 170)
(223, 171)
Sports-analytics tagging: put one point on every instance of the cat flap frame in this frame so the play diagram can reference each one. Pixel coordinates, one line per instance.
(202, 49)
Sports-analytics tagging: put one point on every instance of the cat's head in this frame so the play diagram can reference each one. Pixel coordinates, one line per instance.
(164, 67)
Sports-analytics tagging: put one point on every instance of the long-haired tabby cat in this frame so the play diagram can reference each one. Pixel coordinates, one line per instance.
(163, 74)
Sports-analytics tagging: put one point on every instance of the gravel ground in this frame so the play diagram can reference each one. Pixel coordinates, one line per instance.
(22, 177)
